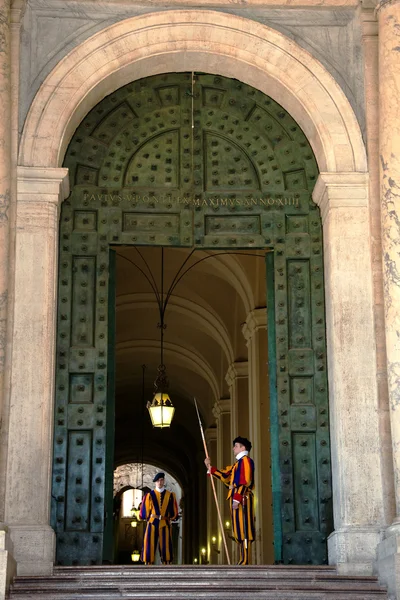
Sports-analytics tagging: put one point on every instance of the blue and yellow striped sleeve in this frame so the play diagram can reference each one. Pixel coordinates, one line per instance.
(223, 475)
(146, 508)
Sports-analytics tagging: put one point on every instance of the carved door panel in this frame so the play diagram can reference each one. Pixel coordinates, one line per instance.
(302, 392)
(214, 164)
(259, 172)
(108, 541)
(92, 220)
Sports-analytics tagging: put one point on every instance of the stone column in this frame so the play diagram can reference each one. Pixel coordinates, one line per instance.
(5, 193)
(237, 378)
(371, 79)
(28, 482)
(355, 432)
(255, 333)
(9, 57)
(389, 152)
(222, 414)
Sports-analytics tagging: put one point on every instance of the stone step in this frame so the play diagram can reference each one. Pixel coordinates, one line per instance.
(228, 582)
(206, 593)
(191, 582)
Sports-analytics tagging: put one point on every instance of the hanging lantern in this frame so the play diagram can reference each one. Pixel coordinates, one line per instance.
(134, 521)
(161, 410)
(135, 513)
(135, 556)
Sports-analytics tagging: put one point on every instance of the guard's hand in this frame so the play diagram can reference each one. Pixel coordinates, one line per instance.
(207, 462)
(235, 505)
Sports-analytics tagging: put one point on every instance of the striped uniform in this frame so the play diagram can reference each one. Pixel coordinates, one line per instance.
(240, 480)
(158, 509)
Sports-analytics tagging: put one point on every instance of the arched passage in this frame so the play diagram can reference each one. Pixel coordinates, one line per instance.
(257, 55)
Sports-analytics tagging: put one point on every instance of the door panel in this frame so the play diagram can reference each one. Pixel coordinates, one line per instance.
(108, 543)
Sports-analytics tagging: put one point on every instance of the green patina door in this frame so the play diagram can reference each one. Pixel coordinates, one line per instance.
(211, 163)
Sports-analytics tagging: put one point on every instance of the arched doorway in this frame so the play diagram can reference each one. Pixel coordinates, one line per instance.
(131, 482)
(185, 160)
(274, 64)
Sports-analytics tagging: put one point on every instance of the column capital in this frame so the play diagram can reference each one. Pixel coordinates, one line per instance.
(35, 181)
(221, 407)
(17, 12)
(256, 319)
(369, 23)
(40, 193)
(340, 190)
(236, 370)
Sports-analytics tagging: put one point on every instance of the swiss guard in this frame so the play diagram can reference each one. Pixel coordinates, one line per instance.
(239, 478)
(159, 508)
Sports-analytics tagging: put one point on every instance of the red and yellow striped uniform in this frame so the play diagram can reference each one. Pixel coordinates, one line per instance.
(158, 509)
(239, 478)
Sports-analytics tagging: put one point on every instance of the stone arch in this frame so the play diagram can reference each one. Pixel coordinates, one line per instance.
(200, 40)
(216, 43)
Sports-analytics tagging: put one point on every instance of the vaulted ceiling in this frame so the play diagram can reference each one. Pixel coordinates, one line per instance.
(204, 319)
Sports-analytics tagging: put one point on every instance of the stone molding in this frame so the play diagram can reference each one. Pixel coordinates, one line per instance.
(369, 23)
(211, 434)
(256, 319)
(228, 3)
(236, 370)
(340, 190)
(39, 196)
(221, 407)
(196, 39)
(17, 11)
(43, 182)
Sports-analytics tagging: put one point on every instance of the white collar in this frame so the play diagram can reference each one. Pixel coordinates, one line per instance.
(241, 454)
(160, 490)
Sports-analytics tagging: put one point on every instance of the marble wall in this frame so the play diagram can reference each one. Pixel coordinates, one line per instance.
(53, 28)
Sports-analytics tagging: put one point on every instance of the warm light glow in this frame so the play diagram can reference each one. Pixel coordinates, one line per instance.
(214, 539)
(227, 524)
(161, 410)
(195, 561)
(135, 513)
(134, 523)
(135, 556)
(203, 551)
(130, 501)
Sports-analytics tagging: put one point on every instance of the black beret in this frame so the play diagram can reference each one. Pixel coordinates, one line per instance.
(159, 476)
(244, 441)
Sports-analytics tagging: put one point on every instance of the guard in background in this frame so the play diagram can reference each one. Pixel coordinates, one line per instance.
(159, 508)
(239, 478)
